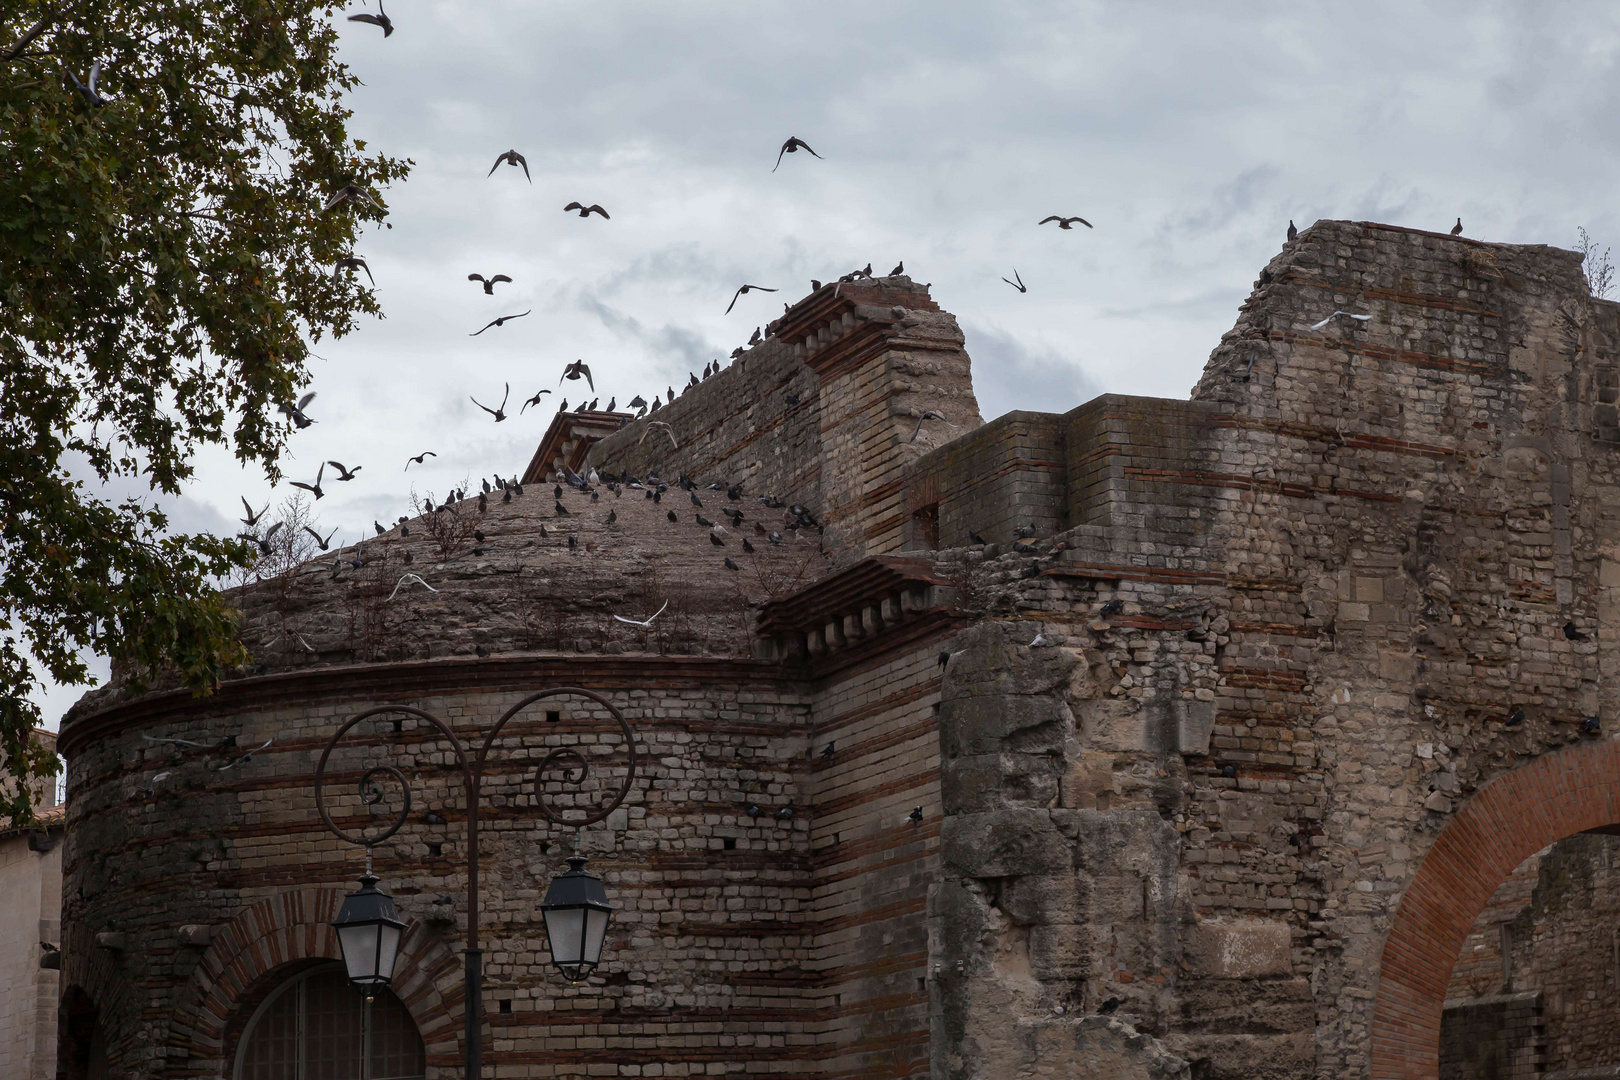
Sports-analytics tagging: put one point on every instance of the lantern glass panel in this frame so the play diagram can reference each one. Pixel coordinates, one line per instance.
(360, 950)
(566, 929)
(596, 924)
(388, 950)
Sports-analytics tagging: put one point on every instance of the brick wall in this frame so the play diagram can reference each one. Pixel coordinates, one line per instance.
(31, 898)
(1493, 1038)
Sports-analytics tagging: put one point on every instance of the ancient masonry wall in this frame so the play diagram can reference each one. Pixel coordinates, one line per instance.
(1359, 550)
(711, 899)
(31, 898)
(874, 861)
(1560, 920)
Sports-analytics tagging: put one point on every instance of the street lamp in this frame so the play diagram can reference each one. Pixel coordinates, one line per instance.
(575, 909)
(577, 914)
(368, 933)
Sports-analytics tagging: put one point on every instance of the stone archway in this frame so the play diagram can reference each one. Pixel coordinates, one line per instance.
(291, 927)
(1506, 820)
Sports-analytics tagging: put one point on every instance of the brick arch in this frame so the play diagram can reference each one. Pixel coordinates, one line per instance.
(277, 933)
(1503, 823)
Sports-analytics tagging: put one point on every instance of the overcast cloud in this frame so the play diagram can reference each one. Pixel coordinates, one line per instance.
(1188, 134)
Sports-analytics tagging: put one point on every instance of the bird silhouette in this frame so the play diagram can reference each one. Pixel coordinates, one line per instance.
(532, 401)
(321, 542)
(1456, 230)
(1573, 633)
(1293, 233)
(296, 412)
(586, 211)
(252, 519)
(916, 816)
(899, 268)
(1113, 607)
(352, 262)
(498, 322)
(1515, 718)
(380, 19)
(929, 415)
(511, 157)
(316, 486)
(793, 145)
(1065, 222)
(87, 89)
(1340, 314)
(744, 291)
(489, 283)
(499, 413)
(349, 193)
(418, 459)
(345, 473)
(1019, 284)
(577, 370)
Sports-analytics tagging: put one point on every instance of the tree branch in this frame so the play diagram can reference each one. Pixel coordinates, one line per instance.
(37, 29)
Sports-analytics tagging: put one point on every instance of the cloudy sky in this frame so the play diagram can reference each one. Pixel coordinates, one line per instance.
(1188, 134)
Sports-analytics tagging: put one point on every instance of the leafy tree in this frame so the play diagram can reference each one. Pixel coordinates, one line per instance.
(166, 260)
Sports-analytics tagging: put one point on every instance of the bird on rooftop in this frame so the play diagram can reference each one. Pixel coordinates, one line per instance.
(744, 291)
(352, 262)
(380, 19)
(1456, 230)
(488, 283)
(793, 145)
(498, 322)
(511, 157)
(1065, 222)
(899, 268)
(731, 565)
(1293, 233)
(585, 211)
(499, 412)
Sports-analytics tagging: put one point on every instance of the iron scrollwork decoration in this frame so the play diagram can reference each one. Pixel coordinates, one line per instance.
(566, 765)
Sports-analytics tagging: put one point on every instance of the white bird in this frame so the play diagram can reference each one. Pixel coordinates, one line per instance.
(409, 578)
(1336, 314)
(1040, 639)
(245, 758)
(642, 623)
(667, 431)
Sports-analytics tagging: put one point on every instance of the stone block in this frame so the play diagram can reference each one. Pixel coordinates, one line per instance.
(1240, 949)
(196, 936)
(1004, 843)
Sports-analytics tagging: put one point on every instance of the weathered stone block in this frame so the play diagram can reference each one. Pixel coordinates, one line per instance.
(1240, 949)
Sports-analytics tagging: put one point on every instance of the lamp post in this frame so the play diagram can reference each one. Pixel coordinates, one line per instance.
(575, 909)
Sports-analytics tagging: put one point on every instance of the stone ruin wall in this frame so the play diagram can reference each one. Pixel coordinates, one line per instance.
(1342, 565)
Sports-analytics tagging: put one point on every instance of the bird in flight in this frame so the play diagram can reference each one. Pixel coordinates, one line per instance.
(247, 757)
(511, 157)
(408, 579)
(316, 486)
(264, 541)
(585, 211)
(87, 89)
(1019, 284)
(643, 623)
(350, 193)
(793, 145)
(1064, 222)
(1456, 230)
(1336, 314)
(296, 412)
(418, 459)
(252, 519)
(532, 401)
(347, 473)
(380, 19)
(930, 415)
(667, 431)
(352, 262)
(489, 283)
(321, 542)
(744, 291)
(498, 413)
(573, 371)
(498, 322)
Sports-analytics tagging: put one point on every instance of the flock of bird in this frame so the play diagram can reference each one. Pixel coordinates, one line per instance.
(297, 412)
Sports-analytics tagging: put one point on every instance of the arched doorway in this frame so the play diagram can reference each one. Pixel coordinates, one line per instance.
(1505, 822)
(315, 1026)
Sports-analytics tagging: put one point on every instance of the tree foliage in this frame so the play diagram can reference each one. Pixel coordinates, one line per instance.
(165, 264)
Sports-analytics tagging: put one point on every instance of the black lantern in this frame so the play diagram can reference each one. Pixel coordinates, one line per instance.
(577, 914)
(368, 932)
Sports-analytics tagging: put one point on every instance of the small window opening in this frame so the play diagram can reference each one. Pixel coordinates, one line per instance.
(730, 843)
(506, 1005)
(435, 850)
(553, 715)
